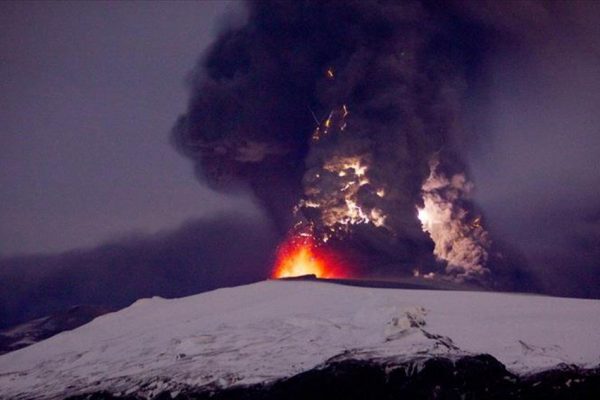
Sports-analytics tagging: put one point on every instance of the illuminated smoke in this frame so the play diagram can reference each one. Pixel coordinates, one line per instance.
(334, 191)
(459, 238)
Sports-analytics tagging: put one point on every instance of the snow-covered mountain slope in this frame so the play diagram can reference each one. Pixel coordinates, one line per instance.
(265, 331)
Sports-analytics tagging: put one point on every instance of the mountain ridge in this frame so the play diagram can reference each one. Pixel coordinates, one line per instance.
(272, 331)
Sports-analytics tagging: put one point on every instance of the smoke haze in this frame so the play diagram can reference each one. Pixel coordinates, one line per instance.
(205, 254)
(536, 163)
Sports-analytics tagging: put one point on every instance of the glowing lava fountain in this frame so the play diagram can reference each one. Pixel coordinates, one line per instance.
(300, 256)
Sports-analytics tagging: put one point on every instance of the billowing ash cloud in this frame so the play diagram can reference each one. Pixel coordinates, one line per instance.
(331, 111)
(311, 99)
(459, 239)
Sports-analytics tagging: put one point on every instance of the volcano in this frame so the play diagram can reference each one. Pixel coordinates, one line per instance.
(313, 339)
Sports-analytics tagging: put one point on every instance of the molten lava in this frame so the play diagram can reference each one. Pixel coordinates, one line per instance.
(299, 256)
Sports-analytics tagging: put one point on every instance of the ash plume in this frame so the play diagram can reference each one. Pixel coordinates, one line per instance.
(251, 119)
(331, 112)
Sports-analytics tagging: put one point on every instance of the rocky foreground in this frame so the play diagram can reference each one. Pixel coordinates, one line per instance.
(472, 377)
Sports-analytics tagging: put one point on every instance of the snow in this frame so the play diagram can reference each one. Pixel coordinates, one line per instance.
(273, 329)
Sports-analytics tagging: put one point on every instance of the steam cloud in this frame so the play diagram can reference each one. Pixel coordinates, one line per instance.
(335, 110)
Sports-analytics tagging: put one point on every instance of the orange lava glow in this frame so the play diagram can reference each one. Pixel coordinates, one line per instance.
(299, 256)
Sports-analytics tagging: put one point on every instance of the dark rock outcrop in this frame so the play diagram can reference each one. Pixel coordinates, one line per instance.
(31, 332)
(467, 378)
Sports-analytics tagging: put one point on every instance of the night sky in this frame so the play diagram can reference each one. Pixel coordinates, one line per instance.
(90, 91)
(159, 148)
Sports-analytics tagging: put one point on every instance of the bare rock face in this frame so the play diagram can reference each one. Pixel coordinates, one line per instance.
(471, 377)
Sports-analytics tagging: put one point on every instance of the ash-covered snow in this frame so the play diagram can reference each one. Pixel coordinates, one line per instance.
(273, 329)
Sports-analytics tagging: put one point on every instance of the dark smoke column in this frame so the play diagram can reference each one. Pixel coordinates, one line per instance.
(265, 114)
